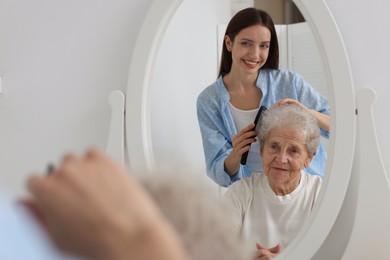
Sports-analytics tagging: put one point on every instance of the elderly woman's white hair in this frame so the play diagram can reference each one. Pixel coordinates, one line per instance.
(198, 214)
(294, 118)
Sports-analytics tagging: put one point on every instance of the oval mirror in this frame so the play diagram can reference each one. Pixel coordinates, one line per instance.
(142, 124)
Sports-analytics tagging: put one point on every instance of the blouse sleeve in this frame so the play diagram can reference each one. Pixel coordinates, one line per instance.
(216, 141)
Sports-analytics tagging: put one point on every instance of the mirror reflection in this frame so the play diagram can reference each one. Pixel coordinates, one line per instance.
(189, 61)
(249, 77)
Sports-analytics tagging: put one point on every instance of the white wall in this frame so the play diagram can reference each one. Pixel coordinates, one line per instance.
(364, 26)
(59, 60)
(186, 64)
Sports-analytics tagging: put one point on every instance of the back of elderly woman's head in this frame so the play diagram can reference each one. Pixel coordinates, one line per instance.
(194, 208)
(294, 118)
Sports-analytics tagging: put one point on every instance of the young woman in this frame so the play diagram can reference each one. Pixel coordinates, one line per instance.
(249, 78)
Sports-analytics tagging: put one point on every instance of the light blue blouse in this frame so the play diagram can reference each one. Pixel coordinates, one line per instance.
(217, 126)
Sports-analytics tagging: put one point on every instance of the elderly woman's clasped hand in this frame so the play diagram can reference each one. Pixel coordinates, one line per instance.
(264, 253)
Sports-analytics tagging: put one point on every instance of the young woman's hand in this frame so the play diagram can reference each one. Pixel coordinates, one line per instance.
(323, 120)
(241, 144)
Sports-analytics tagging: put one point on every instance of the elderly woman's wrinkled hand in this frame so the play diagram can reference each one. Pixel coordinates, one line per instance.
(92, 207)
(265, 253)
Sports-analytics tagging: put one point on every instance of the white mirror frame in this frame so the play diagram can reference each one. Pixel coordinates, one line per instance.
(343, 130)
(139, 139)
(342, 137)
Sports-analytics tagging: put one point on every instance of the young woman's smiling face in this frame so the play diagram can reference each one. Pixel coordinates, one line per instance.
(249, 48)
(284, 154)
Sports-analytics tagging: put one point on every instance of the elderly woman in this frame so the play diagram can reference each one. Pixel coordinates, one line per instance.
(271, 208)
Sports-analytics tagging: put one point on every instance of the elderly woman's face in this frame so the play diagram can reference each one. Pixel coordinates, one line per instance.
(284, 155)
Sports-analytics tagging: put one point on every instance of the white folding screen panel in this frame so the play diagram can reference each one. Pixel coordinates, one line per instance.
(281, 32)
(304, 56)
